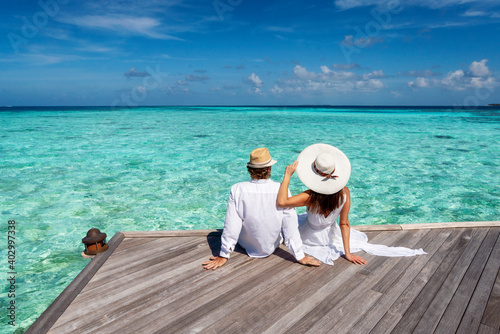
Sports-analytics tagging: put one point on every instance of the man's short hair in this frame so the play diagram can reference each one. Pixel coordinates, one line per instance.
(259, 173)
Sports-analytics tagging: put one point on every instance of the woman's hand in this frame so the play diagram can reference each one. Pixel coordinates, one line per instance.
(290, 169)
(355, 259)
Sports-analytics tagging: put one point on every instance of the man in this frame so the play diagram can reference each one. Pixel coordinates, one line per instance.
(254, 221)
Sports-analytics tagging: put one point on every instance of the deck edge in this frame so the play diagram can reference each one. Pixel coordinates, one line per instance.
(170, 233)
(49, 317)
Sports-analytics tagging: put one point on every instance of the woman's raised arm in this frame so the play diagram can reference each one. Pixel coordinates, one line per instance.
(283, 200)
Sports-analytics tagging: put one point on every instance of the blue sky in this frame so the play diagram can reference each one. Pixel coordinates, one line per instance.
(239, 52)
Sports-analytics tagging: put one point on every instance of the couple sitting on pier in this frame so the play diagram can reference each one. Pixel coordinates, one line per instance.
(260, 213)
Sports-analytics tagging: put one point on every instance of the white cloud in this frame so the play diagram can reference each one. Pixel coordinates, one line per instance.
(453, 80)
(255, 80)
(256, 90)
(371, 85)
(482, 83)
(327, 81)
(474, 13)
(302, 73)
(124, 24)
(329, 74)
(419, 82)
(479, 68)
(434, 4)
(40, 59)
(276, 90)
(478, 76)
(374, 74)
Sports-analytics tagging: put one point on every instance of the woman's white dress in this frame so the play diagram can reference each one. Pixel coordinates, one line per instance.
(322, 239)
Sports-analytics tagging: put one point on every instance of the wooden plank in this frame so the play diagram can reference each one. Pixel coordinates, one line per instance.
(431, 242)
(335, 300)
(412, 301)
(128, 243)
(310, 295)
(338, 304)
(353, 313)
(60, 304)
(477, 305)
(153, 248)
(327, 295)
(305, 315)
(143, 303)
(258, 310)
(127, 264)
(434, 310)
(491, 316)
(188, 313)
(425, 242)
(279, 300)
(159, 307)
(402, 238)
(483, 329)
(160, 266)
(458, 304)
(341, 318)
(123, 289)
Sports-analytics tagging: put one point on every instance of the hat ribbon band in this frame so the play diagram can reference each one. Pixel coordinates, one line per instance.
(261, 163)
(328, 176)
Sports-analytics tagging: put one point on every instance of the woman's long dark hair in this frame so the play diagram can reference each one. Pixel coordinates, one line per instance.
(324, 204)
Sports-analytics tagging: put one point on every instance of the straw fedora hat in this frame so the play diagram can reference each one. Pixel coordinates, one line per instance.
(260, 158)
(323, 168)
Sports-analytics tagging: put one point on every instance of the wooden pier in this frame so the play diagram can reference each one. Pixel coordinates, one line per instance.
(153, 282)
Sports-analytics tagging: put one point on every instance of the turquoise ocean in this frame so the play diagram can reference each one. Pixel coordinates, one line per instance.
(66, 170)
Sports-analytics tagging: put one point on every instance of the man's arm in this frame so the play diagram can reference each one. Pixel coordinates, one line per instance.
(230, 235)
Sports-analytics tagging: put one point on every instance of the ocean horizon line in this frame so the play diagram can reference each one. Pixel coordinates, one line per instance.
(458, 107)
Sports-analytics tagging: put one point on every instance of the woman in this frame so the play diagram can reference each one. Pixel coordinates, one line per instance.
(325, 170)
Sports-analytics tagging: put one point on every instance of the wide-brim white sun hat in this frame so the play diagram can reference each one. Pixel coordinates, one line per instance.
(323, 168)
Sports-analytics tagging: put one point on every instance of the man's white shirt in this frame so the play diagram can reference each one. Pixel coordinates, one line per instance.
(255, 222)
